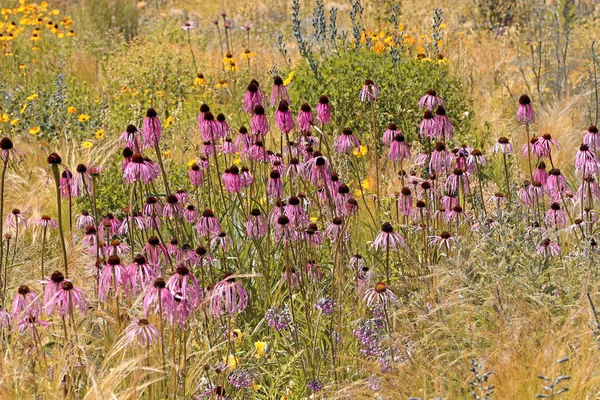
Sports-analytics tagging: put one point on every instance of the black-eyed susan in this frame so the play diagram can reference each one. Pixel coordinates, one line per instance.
(169, 121)
(221, 84)
(232, 67)
(247, 54)
(83, 118)
(199, 80)
(99, 134)
(228, 60)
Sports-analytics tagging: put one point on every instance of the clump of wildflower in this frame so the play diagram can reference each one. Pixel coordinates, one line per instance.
(325, 305)
(240, 379)
(278, 318)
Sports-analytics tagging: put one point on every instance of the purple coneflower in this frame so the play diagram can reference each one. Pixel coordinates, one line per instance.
(389, 135)
(304, 118)
(323, 110)
(228, 296)
(445, 130)
(172, 207)
(279, 92)
(184, 285)
(547, 248)
(210, 128)
(543, 146)
(6, 149)
(259, 123)
(502, 146)
(16, 217)
(66, 183)
(405, 202)
(274, 185)
(131, 138)
(142, 333)
(430, 100)
(114, 275)
(141, 272)
(525, 113)
(140, 170)
(222, 240)
(428, 127)
(556, 217)
(67, 298)
(152, 207)
(256, 227)
(284, 118)
(441, 159)
(592, 138)
(25, 303)
(369, 92)
(346, 142)
(586, 161)
(444, 239)
(380, 294)
(196, 175)
(252, 98)
(46, 222)
(190, 214)
(231, 179)
(399, 149)
(388, 238)
(208, 225)
(152, 128)
(154, 249)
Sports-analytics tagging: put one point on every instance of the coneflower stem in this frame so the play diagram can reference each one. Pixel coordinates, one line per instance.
(162, 169)
(506, 177)
(529, 152)
(480, 188)
(131, 224)
(2, 179)
(162, 334)
(43, 248)
(60, 223)
(377, 172)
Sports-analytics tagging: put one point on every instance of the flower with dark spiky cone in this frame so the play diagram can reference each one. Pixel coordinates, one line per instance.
(279, 92)
(323, 110)
(525, 113)
(369, 92)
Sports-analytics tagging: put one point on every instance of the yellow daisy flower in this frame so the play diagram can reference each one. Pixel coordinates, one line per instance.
(199, 80)
(361, 151)
(247, 54)
(221, 84)
(289, 78)
(87, 144)
(71, 110)
(229, 59)
(261, 348)
(35, 130)
(99, 134)
(83, 118)
(14, 122)
(169, 121)
(237, 335)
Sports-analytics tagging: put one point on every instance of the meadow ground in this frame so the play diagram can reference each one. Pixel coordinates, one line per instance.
(299, 199)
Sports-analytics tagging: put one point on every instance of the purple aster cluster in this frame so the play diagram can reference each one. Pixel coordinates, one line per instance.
(278, 318)
(325, 305)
